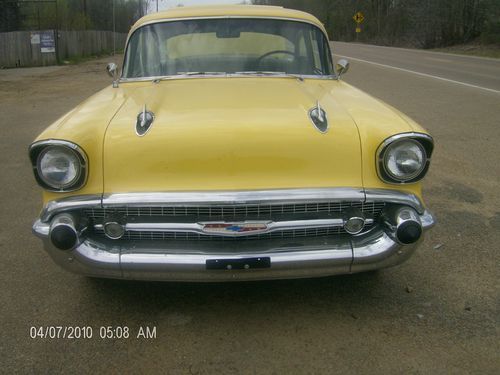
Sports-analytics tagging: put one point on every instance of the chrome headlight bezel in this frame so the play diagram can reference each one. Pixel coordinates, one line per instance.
(37, 150)
(423, 141)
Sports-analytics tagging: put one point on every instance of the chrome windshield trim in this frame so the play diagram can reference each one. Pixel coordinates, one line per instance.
(227, 75)
(278, 196)
(164, 20)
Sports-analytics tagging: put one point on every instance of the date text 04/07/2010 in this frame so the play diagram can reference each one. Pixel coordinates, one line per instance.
(88, 332)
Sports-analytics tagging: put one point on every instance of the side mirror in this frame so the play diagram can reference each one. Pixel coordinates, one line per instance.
(112, 70)
(342, 67)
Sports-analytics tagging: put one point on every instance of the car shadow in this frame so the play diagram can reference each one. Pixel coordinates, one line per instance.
(151, 296)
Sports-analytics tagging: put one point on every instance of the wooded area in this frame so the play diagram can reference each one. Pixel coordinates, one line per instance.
(416, 23)
(18, 15)
(45, 32)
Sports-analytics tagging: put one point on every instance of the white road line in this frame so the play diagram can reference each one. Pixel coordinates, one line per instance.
(422, 74)
(451, 55)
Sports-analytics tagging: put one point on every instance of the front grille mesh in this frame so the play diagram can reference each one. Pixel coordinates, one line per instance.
(231, 212)
(183, 236)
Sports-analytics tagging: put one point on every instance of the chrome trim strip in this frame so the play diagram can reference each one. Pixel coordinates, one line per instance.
(163, 20)
(41, 229)
(199, 228)
(228, 75)
(377, 250)
(397, 137)
(230, 16)
(428, 220)
(69, 203)
(57, 142)
(277, 196)
(396, 197)
(208, 198)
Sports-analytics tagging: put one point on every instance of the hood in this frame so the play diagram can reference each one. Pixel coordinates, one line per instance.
(230, 134)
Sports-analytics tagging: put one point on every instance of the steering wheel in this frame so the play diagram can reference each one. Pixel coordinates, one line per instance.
(260, 58)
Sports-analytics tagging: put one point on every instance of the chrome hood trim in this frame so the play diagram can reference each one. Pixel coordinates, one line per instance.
(234, 197)
(231, 197)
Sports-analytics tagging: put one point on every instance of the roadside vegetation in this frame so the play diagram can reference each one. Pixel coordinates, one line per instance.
(472, 24)
(70, 14)
(457, 26)
(473, 49)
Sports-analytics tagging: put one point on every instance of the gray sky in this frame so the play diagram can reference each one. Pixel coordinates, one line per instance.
(165, 4)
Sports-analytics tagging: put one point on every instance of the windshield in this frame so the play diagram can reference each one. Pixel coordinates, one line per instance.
(227, 46)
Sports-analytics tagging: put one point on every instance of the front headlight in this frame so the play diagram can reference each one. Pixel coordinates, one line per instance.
(404, 158)
(58, 165)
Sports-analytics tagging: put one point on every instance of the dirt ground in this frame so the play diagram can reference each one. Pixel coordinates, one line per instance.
(436, 314)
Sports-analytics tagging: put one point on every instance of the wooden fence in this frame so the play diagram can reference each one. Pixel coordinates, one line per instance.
(23, 48)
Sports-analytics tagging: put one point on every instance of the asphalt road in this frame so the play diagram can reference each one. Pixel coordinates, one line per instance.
(437, 313)
(478, 72)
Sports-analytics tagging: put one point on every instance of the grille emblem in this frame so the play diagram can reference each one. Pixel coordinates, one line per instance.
(234, 229)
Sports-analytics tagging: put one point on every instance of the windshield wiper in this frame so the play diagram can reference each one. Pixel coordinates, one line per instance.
(268, 73)
(200, 73)
(261, 72)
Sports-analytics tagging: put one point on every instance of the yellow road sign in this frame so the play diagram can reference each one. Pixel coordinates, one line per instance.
(358, 29)
(359, 17)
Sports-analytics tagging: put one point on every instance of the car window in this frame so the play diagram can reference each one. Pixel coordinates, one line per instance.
(249, 43)
(227, 45)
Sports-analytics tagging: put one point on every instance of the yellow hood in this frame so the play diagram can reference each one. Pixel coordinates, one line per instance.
(230, 134)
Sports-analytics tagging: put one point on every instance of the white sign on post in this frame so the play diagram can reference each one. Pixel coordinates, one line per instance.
(35, 38)
(47, 42)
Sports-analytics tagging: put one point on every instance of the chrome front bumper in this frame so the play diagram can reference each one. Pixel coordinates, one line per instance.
(341, 254)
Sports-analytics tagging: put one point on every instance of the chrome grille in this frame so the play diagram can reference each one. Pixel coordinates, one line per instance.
(232, 211)
(183, 236)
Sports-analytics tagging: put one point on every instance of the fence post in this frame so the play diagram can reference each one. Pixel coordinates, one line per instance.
(57, 33)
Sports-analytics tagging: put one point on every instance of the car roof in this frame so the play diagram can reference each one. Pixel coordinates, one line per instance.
(263, 11)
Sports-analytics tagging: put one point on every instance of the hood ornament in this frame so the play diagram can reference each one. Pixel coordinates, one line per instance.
(318, 118)
(144, 121)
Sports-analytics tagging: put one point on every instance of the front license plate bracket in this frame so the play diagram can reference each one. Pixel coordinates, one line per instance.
(238, 264)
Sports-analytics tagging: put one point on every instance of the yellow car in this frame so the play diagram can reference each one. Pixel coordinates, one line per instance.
(229, 148)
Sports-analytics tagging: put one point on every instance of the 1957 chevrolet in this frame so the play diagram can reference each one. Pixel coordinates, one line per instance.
(229, 148)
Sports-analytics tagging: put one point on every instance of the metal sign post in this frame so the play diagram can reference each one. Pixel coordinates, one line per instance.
(114, 29)
(359, 17)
